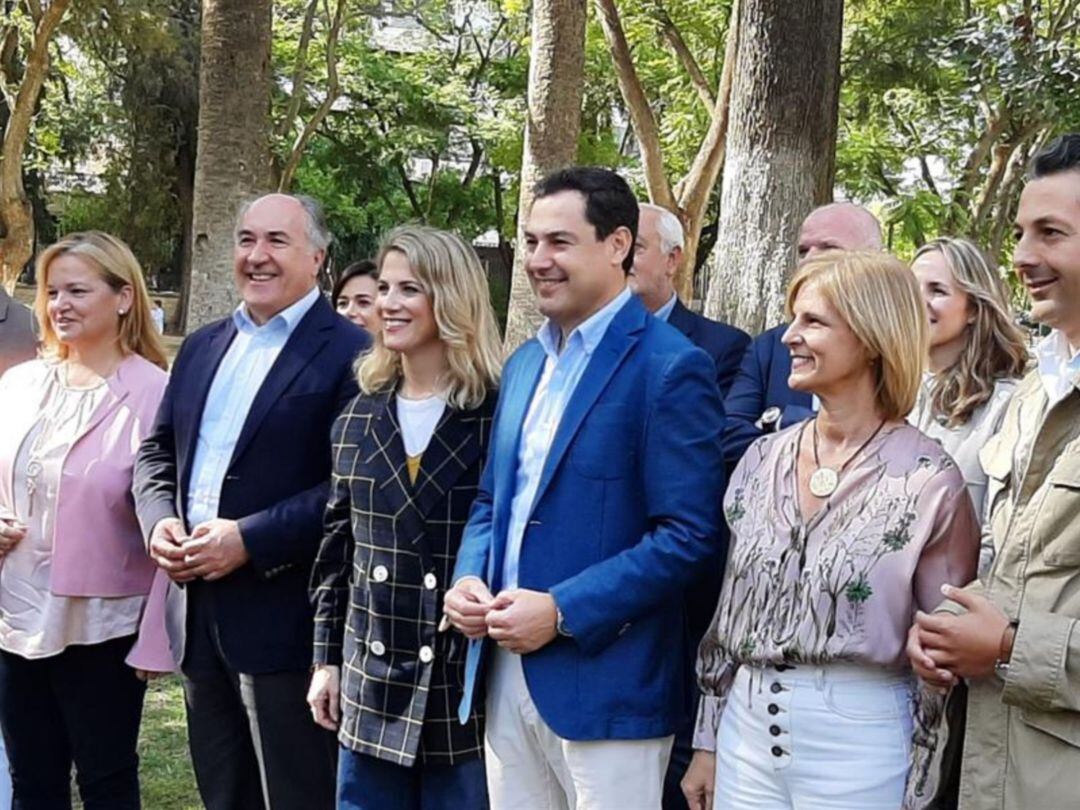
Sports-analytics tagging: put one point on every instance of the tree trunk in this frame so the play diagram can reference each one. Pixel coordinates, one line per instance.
(556, 82)
(780, 152)
(232, 161)
(16, 211)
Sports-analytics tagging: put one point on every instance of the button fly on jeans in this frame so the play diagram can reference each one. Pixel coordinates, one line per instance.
(776, 688)
(773, 708)
(774, 730)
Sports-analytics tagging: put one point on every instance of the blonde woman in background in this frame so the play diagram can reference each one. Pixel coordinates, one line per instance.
(408, 454)
(842, 526)
(977, 355)
(77, 637)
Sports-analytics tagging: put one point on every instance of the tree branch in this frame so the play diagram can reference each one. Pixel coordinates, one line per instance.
(641, 114)
(299, 73)
(333, 90)
(684, 55)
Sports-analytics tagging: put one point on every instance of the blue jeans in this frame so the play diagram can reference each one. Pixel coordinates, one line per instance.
(367, 783)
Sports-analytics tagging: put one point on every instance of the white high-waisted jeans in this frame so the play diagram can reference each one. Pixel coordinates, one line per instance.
(834, 737)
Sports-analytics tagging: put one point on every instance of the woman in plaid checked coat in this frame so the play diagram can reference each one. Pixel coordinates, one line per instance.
(408, 452)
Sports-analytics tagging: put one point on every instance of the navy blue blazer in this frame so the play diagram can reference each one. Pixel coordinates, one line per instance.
(761, 384)
(626, 510)
(276, 486)
(724, 343)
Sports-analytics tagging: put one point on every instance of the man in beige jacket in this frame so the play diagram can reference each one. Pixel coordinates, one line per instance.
(1014, 637)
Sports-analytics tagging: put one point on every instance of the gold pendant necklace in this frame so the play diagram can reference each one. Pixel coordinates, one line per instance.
(825, 480)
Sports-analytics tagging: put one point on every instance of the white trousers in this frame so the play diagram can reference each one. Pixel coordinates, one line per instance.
(834, 737)
(529, 767)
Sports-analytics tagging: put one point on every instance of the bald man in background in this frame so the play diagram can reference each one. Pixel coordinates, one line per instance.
(760, 400)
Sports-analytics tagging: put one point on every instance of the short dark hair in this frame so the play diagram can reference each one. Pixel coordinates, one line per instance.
(358, 269)
(1060, 155)
(609, 202)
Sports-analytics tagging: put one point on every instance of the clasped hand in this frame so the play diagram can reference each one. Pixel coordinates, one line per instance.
(518, 620)
(944, 647)
(213, 550)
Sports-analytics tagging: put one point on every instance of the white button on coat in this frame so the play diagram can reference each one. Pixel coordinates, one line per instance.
(380, 574)
(427, 655)
(430, 581)
(377, 648)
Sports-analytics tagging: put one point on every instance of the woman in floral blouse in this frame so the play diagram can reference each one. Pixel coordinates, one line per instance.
(842, 527)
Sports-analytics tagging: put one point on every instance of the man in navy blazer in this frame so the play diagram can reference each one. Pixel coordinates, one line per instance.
(760, 400)
(230, 489)
(658, 252)
(598, 503)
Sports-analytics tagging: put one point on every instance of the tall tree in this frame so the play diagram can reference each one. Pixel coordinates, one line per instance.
(233, 152)
(21, 84)
(780, 152)
(689, 197)
(552, 124)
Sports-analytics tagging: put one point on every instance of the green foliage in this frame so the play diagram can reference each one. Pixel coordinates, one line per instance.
(943, 104)
(117, 123)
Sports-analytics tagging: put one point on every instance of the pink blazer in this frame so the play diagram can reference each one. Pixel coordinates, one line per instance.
(97, 546)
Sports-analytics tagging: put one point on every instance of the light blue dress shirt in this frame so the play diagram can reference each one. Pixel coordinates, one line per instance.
(562, 372)
(238, 379)
(665, 311)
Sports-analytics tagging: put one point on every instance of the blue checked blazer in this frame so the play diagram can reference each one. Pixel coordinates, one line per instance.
(385, 562)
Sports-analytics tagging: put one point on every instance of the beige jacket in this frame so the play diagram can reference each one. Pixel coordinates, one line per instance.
(1022, 747)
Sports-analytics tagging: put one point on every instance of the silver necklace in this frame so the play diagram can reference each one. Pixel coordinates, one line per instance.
(825, 480)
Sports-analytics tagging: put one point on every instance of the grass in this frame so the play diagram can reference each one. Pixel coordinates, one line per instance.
(165, 765)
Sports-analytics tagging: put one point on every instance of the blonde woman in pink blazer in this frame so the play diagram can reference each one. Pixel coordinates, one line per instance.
(81, 612)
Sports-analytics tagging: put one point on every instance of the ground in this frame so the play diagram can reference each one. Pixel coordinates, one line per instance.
(165, 767)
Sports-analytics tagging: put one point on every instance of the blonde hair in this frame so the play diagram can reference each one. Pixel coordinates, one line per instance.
(117, 266)
(995, 347)
(450, 273)
(877, 296)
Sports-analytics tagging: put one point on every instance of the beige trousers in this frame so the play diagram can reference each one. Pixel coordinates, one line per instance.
(529, 767)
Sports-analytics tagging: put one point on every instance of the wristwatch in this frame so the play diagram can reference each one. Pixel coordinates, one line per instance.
(1001, 665)
(770, 419)
(560, 627)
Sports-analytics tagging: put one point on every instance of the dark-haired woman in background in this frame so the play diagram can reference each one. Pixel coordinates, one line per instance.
(354, 294)
(977, 353)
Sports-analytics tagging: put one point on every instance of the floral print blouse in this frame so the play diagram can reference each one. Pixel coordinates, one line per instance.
(844, 585)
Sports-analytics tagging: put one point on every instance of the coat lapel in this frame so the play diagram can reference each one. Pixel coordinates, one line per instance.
(514, 398)
(455, 446)
(682, 319)
(306, 341)
(622, 335)
(202, 376)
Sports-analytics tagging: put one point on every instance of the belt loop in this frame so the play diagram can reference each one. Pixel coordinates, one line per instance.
(819, 679)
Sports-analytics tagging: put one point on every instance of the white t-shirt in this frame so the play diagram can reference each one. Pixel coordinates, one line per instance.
(418, 419)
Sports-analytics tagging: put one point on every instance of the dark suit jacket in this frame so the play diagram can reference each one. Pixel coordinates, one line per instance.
(385, 563)
(276, 485)
(18, 343)
(761, 384)
(626, 510)
(723, 343)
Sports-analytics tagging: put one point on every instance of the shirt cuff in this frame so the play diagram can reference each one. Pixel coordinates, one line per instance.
(710, 708)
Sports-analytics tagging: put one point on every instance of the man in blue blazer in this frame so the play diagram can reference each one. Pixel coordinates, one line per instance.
(230, 489)
(599, 501)
(759, 400)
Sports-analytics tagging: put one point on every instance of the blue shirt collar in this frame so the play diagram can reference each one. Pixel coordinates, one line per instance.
(287, 319)
(665, 311)
(589, 332)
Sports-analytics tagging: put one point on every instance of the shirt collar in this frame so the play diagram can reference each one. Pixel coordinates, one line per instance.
(1058, 363)
(589, 332)
(286, 320)
(665, 311)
